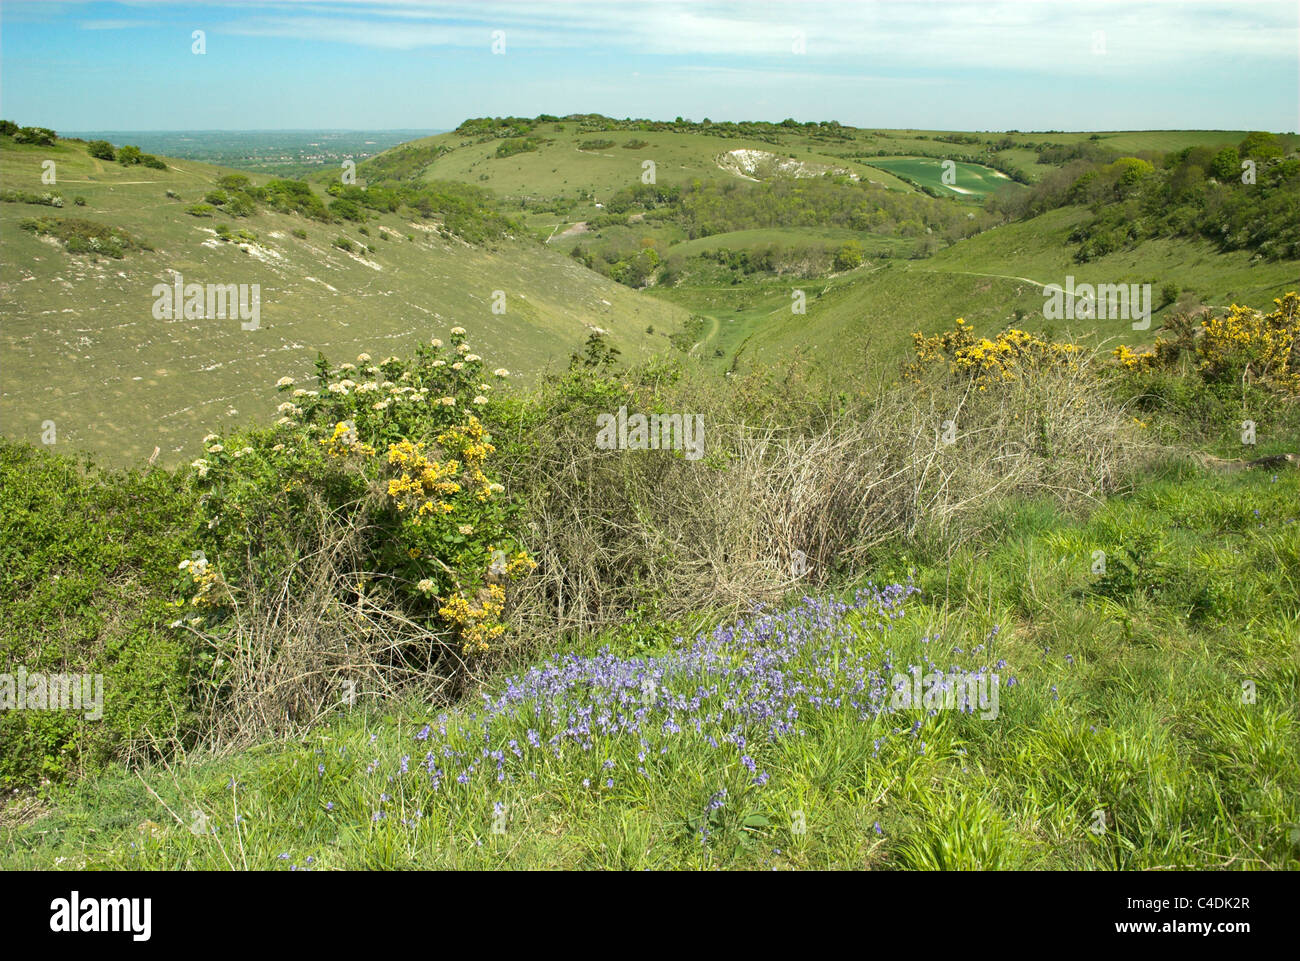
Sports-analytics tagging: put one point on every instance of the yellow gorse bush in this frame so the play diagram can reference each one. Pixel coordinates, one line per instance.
(986, 361)
(478, 621)
(1252, 344)
(1244, 344)
(423, 485)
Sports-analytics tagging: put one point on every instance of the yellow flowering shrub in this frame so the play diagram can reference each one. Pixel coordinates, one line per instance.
(1243, 345)
(985, 361)
(437, 524)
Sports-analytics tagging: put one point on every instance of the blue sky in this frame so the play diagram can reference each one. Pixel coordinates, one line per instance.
(384, 64)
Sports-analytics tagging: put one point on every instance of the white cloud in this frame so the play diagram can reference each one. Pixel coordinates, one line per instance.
(1046, 35)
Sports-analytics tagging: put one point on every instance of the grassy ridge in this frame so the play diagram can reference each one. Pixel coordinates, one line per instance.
(81, 348)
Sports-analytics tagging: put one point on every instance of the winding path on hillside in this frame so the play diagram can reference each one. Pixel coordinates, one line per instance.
(976, 273)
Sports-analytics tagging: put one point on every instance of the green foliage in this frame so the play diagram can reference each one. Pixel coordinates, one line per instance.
(129, 154)
(47, 199)
(1195, 192)
(86, 562)
(36, 136)
(101, 149)
(517, 145)
(294, 196)
(86, 236)
(437, 542)
(1260, 145)
(849, 256)
(347, 210)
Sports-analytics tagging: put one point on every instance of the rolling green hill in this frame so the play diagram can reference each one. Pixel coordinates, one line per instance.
(83, 350)
(81, 347)
(858, 325)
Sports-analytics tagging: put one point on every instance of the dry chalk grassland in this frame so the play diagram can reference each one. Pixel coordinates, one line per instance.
(80, 346)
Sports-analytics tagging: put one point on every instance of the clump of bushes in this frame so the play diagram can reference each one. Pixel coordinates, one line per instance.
(720, 533)
(1218, 369)
(35, 136)
(1011, 354)
(517, 145)
(86, 236)
(47, 199)
(130, 155)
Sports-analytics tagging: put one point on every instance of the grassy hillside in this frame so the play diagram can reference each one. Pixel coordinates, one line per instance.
(81, 347)
(1121, 737)
(858, 325)
(921, 268)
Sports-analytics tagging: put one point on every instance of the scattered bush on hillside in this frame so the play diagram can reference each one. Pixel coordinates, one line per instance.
(100, 149)
(517, 145)
(36, 136)
(86, 236)
(849, 256)
(47, 199)
(347, 210)
(294, 196)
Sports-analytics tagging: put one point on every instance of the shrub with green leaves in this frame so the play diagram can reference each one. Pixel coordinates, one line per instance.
(86, 576)
(86, 236)
(397, 452)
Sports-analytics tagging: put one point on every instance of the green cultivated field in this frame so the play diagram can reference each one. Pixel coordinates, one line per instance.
(972, 181)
